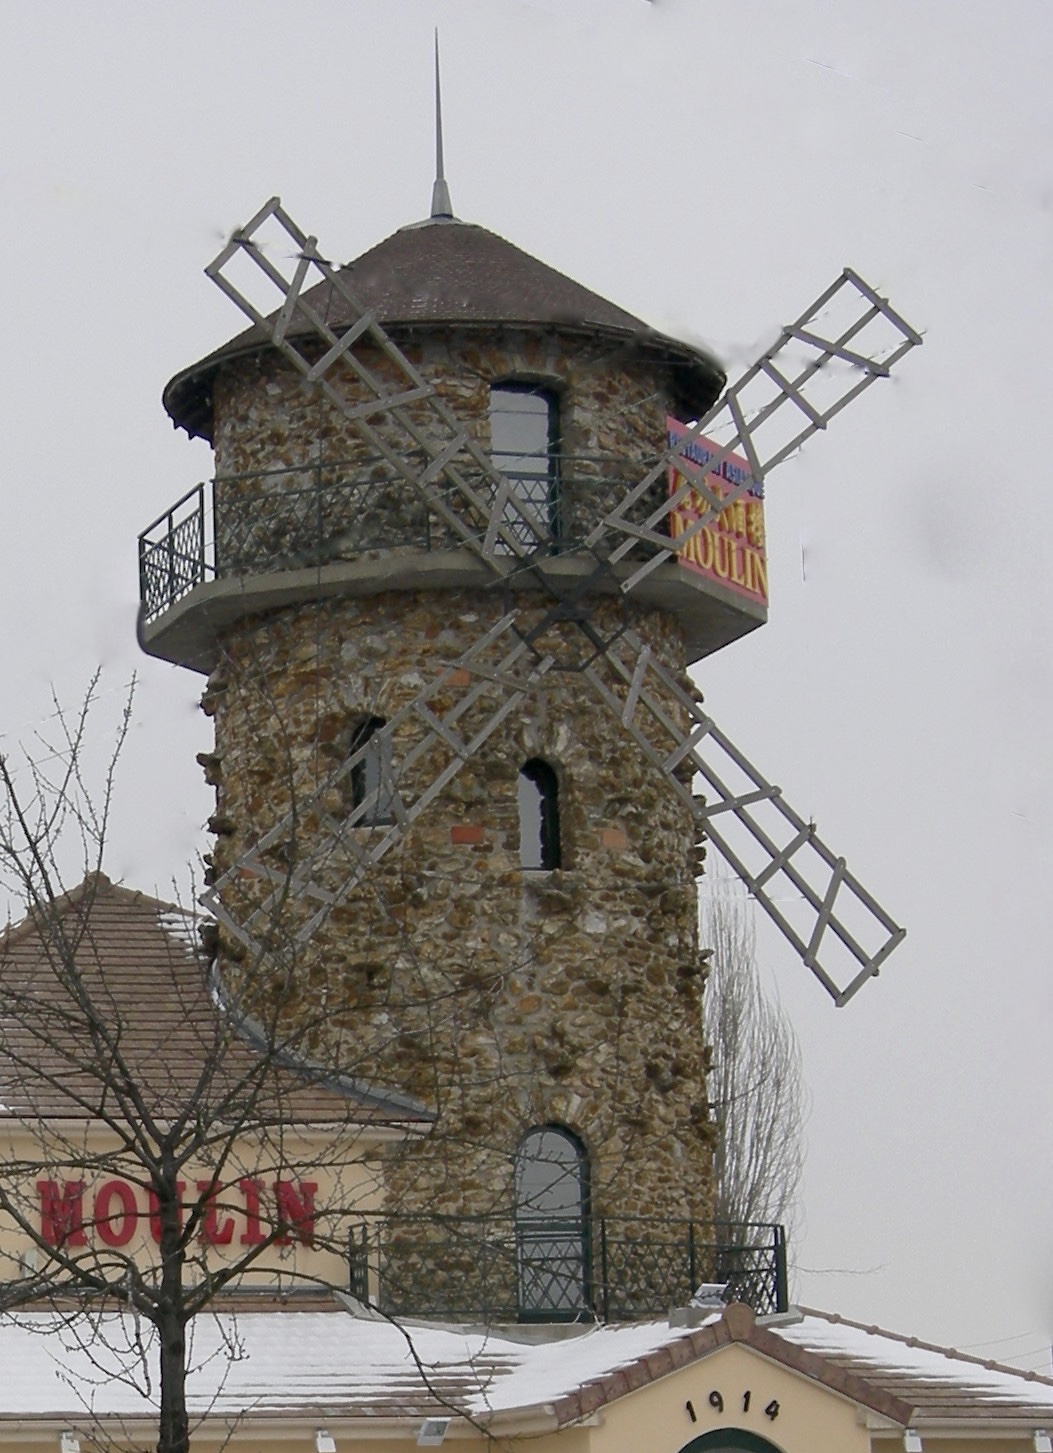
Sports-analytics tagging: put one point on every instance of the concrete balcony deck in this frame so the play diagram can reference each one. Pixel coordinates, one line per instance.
(243, 544)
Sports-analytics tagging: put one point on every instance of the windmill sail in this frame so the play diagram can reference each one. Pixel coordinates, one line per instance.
(842, 934)
(837, 348)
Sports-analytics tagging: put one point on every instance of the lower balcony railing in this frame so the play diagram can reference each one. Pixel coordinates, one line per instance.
(317, 514)
(602, 1268)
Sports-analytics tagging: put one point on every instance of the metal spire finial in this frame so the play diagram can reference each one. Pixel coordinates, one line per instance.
(441, 206)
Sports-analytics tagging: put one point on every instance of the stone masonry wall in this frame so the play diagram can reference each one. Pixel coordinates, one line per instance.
(612, 412)
(502, 997)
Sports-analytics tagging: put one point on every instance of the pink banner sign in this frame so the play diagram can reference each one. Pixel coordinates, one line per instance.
(730, 549)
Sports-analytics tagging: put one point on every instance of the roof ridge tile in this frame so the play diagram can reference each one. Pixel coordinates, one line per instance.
(950, 1352)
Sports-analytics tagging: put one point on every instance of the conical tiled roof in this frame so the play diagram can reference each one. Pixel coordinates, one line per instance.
(447, 272)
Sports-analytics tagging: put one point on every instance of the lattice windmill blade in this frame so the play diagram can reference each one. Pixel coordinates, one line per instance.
(482, 511)
(837, 348)
(422, 747)
(807, 890)
(849, 337)
(491, 519)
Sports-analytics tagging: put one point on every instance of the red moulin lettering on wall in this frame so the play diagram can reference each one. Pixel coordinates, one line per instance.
(62, 1213)
(213, 1231)
(295, 1211)
(284, 1212)
(254, 1234)
(115, 1226)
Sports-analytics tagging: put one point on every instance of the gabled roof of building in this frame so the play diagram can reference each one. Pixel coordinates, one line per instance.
(900, 1378)
(940, 1384)
(344, 1367)
(445, 272)
(138, 964)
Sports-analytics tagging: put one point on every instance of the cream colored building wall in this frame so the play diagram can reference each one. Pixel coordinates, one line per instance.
(339, 1163)
(809, 1419)
(282, 1435)
(613, 1434)
(959, 1441)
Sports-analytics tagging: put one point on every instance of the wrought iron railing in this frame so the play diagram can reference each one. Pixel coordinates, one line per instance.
(317, 514)
(603, 1268)
(176, 552)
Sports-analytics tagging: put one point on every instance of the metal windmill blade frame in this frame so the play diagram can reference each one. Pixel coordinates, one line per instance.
(492, 538)
(498, 659)
(744, 435)
(794, 389)
(647, 700)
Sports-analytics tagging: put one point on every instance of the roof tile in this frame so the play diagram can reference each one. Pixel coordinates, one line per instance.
(106, 971)
(450, 273)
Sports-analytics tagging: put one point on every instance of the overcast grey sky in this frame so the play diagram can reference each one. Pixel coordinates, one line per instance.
(710, 165)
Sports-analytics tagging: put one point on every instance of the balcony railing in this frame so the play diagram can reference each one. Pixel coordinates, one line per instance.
(312, 515)
(176, 552)
(603, 1268)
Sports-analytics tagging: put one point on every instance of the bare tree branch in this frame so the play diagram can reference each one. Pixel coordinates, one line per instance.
(142, 1082)
(756, 1084)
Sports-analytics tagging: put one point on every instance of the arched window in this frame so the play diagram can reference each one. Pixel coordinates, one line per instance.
(524, 445)
(539, 844)
(372, 788)
(732, 1440)
(551, 1219)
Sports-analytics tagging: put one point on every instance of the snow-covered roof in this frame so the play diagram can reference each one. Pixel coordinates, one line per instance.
(330, 1365)
(940, 1381)
(273, 1363)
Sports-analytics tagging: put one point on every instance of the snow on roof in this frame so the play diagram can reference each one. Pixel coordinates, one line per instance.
(182, 924)
(931, 1376)
(326, 1364)
(552, 1370)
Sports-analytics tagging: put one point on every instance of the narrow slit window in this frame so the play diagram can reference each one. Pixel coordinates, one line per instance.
(539, 841)
(524, 445)
(372, 787)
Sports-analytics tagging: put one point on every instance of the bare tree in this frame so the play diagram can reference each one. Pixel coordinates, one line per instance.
(146, 1113)
(756, 1085)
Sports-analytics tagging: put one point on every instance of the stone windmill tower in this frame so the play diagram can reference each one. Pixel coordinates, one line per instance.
(446, 584)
